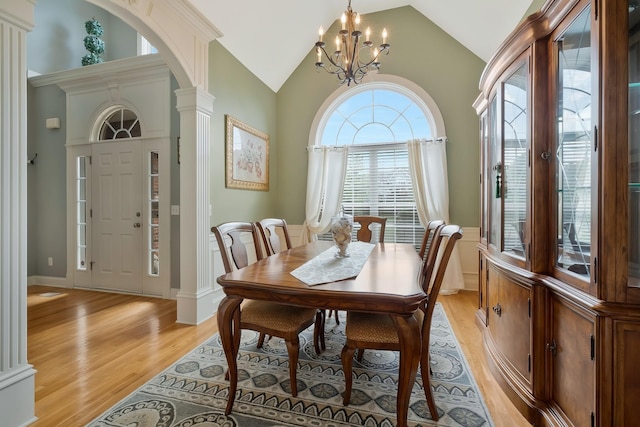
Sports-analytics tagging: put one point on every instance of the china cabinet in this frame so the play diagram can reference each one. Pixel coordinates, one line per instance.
(559, 249)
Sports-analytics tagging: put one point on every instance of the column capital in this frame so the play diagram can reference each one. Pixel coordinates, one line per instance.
(19, 13)
(194, 98)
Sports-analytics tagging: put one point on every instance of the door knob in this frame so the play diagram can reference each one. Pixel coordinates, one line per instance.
(136, 225)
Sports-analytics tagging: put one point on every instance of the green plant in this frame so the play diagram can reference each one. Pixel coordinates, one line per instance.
(93, 43)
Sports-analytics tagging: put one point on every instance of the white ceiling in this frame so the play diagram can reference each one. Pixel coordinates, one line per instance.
(271, 38)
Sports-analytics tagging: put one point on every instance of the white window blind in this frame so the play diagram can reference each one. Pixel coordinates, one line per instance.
(378, 183)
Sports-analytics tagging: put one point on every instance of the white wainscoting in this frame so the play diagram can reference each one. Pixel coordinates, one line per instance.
(469, 260)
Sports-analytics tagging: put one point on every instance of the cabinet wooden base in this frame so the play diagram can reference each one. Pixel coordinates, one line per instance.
(537, 412)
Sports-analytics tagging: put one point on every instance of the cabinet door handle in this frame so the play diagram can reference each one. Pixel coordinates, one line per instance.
(552, 347)
(497, 309)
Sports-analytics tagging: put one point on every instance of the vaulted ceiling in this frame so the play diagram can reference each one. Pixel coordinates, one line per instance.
(271, 38)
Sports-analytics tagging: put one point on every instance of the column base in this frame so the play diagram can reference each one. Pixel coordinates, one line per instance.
(17, 397)
(194, 309)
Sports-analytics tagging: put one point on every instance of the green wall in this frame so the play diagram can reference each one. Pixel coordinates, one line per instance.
(420, 52)
(46, 183)
(242, 95)
(57, 40)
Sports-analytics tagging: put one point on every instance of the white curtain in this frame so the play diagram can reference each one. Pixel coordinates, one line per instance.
(428, 167)
(325, 180)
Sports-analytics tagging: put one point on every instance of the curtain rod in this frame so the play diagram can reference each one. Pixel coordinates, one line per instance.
(340, 147)
(329, 147)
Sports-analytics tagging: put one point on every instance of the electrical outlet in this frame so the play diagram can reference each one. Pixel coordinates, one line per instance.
(175, 209)
(50, 261)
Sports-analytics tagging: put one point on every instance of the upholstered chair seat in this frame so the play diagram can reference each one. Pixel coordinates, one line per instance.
(375, 328)
(270, 315)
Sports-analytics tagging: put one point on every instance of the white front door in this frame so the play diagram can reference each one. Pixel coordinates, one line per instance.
(117, 216)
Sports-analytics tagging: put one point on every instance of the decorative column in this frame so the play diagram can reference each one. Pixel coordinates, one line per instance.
(195, 298)
(17, 400)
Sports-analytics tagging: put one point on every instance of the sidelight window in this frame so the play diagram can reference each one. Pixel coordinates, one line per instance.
(153, 246)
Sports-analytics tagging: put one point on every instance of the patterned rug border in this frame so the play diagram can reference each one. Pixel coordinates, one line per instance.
(197, 389)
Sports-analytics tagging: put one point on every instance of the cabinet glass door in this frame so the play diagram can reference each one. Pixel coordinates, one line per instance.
(515, 138)
(634, 143)
(574, 146)
(494, 171)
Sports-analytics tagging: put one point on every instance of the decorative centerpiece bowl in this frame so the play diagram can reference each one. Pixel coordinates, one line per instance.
(341, 227)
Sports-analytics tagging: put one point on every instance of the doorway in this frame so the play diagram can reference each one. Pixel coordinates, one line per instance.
(116, 216)
(121, 208)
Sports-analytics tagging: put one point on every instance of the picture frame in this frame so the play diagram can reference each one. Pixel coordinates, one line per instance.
(247, 156)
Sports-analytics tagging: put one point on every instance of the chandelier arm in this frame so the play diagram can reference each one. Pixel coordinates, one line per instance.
(383, 48)
(334, 68)
(320, 46)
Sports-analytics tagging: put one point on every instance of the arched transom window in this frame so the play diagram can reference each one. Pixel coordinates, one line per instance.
(120, 124)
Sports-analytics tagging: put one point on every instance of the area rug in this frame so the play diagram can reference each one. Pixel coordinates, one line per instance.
(193, 392)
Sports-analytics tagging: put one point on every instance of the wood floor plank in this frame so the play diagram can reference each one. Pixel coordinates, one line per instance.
(92, 349)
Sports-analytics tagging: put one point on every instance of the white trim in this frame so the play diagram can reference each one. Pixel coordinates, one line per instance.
(17, 376)
(57, 282)
(92, 94)
(469, 261)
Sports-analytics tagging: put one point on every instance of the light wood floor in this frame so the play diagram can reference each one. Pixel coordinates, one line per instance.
(92, 349)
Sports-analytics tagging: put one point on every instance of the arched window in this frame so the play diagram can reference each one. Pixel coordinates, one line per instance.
(120, 124)
(377, 120)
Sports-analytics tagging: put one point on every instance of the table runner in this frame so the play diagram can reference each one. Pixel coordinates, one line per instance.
(326, 267)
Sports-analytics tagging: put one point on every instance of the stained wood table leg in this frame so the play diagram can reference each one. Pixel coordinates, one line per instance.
(409, 334)
(227, 311)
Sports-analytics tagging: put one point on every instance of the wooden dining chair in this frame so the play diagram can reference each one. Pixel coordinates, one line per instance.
(265, 317)
(377, 331)
(431, 232)
(428, 236)
(273, 232)
(367, 223)
(364, 234)
(271, 229)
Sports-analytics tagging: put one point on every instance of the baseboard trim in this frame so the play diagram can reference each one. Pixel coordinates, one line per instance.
(57, 282)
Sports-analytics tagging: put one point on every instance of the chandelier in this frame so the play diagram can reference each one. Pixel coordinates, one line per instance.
(353, 58)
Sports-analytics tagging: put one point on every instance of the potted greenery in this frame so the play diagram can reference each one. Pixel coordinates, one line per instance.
(93, 43)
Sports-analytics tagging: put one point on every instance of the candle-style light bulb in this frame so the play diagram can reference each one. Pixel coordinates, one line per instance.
(320, 33)
(384, 36)
(357, 20)
(368, 33)
(343, 19)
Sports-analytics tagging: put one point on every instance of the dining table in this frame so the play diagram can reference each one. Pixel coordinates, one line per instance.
(387, 283)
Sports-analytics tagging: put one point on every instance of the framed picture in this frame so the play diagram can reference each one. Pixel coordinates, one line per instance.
(247, 156)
